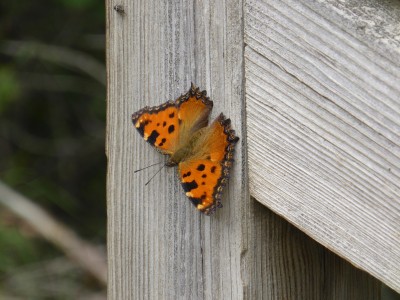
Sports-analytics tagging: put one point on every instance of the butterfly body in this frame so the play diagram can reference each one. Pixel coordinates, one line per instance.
(203, 154)
(186, 151)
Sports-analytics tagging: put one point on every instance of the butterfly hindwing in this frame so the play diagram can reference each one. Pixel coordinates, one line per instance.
(206, 171)
(169, 125)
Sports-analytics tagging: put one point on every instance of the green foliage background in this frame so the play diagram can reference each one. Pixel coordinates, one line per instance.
(52, 119)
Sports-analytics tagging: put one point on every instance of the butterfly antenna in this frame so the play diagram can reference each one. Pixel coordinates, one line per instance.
(154, 175)
(148, 167)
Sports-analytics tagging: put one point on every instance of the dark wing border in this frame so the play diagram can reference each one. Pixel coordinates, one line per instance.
(226, 164)
(193, 91)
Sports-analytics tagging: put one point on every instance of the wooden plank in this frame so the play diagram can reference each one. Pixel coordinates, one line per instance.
(323, 110)
(159, 245)
(297, 267)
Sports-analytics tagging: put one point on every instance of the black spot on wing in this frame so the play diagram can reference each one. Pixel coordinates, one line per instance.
(195, 201)
(204, 175)
(201, 167)
(162, 142)
(164, 123)
(141, 129)
(186, 174)
(171, 115)
(153, 137)
(213, 169)
(171, 128)
(188, 186)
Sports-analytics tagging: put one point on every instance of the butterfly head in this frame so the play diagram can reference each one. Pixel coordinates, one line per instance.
(170, 163)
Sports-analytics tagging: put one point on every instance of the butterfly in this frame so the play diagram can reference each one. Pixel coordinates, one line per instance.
(203, 154)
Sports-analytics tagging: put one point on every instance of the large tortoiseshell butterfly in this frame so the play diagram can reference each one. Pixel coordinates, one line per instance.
(204, 154)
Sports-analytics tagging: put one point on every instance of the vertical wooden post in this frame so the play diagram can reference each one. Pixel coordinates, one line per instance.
(159, 245)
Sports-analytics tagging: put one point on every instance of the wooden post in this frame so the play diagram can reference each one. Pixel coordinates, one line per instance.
(159, 246)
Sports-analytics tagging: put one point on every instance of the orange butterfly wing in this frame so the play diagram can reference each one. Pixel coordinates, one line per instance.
(168, 126)
(181, 125)
(205, 173)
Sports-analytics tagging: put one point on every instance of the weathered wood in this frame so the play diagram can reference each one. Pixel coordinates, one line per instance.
(159, 246)
(297, 267)
(323, 110)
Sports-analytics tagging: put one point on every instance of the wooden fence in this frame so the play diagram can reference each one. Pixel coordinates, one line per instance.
(312, 88)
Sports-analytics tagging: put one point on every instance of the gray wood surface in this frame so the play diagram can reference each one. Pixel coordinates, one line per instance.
(159, 245)
(323, 111)
(297, 267)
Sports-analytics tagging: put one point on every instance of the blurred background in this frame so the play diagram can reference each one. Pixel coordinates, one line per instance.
(52, 160)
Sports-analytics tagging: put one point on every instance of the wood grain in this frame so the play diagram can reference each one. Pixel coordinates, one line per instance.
(297, 267)
(159, 245)
(323, 111)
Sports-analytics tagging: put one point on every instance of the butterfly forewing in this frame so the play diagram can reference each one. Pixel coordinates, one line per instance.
(167, 127)
(159, 127)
